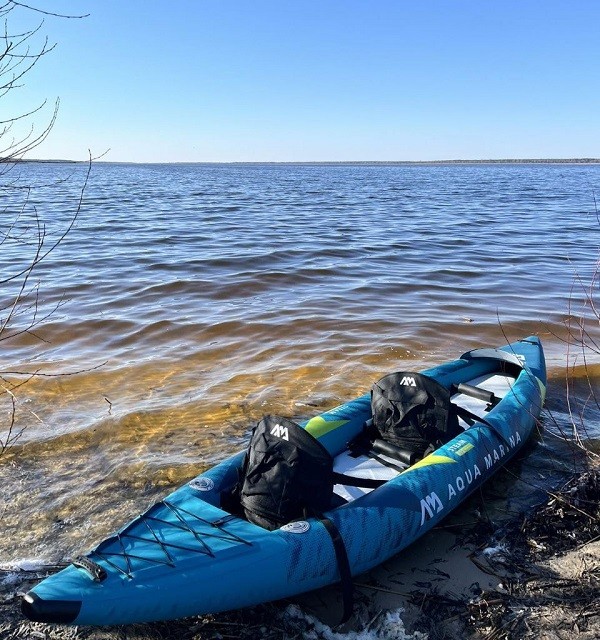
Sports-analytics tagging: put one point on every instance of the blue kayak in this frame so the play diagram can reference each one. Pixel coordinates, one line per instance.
(188, 555)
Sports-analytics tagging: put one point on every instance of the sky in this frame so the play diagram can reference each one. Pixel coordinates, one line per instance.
(315, 80)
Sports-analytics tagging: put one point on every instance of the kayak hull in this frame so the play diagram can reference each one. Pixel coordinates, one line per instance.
(187, 556)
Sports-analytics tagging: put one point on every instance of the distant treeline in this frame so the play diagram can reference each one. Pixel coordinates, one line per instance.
(430, 162)
(25, 160)
(439, 162)
(381, 162)
(515, 161)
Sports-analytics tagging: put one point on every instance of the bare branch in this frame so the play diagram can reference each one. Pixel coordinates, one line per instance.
(24, 229)
(48, 13)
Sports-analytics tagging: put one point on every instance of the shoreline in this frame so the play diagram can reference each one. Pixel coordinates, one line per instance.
(535, 575)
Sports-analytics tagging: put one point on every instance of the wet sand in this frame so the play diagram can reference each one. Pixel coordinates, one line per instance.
(529, 576)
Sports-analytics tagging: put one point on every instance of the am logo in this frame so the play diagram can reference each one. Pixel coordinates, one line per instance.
(408, 381)
(280, 432)
(430, 505)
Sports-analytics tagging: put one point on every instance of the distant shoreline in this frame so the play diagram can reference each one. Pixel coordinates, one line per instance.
(344, 162)
(28, 161)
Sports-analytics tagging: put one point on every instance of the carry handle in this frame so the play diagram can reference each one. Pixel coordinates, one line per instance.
(97, 572)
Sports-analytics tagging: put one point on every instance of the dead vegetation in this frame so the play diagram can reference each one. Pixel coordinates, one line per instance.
(548, 562)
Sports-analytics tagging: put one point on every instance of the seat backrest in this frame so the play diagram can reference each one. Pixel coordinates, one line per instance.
(287, 474)
(413, 411)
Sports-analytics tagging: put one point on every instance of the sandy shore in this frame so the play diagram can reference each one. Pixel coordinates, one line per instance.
(533, 576)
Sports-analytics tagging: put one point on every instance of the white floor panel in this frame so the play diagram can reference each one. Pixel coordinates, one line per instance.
(360, 467)
(499, 385)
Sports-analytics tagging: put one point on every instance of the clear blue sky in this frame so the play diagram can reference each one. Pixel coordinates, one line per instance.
(262, 80)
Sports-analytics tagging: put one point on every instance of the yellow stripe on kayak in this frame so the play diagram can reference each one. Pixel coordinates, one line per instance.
(542, 390)
(318, 426)
(429, 461)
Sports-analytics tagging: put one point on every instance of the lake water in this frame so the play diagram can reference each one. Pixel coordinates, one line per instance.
(189, 300)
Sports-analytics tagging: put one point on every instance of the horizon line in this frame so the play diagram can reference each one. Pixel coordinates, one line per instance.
(328, 162)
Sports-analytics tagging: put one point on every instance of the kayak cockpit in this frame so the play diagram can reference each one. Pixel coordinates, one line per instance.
(478, 397)
(290, 473)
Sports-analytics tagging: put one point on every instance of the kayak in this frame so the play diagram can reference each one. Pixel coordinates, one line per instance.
(188, 554)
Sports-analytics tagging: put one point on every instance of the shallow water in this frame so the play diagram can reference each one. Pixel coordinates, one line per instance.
(192, 299)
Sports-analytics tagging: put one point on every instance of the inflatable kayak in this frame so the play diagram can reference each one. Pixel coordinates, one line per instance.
(198, 551)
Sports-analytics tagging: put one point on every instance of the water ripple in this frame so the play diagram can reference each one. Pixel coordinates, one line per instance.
(195, 298)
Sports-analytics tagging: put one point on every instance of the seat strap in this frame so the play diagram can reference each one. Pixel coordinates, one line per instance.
(384, 461)
(353, 481)
(471, 418)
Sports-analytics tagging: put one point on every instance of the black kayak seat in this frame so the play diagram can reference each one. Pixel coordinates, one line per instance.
(287, 474)
(413, 412)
